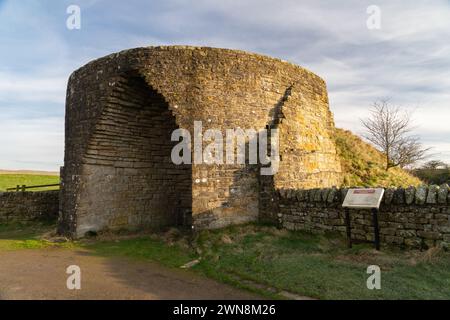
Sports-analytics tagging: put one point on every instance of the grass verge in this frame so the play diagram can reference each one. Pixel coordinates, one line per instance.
(31, 235)
(269, 261)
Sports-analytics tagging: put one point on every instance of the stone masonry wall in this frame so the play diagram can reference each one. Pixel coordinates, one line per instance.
(130, 179)
(113, 163)
(26, 206)
(412, 217)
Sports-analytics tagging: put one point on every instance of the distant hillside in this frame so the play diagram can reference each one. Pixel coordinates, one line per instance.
(433, 176)
(363, 165)
(33, 172)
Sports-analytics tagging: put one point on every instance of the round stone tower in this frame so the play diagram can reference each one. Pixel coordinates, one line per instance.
(122, 109)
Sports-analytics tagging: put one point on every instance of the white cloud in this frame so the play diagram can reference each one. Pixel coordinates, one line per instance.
(32, 144)
(407, 60)
(32, 88)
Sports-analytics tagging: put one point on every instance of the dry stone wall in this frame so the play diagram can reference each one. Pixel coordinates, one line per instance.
(412, 217)
(27, 206)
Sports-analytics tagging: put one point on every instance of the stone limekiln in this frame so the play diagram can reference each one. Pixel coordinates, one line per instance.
(122, 109)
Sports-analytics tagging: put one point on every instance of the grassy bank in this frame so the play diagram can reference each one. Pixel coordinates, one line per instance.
(363, 165)
(269, 261)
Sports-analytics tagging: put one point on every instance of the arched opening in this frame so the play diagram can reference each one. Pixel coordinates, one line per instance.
(130, 180)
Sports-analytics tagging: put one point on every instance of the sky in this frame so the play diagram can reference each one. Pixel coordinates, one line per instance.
(405, 60)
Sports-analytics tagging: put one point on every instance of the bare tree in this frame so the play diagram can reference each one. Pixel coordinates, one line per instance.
(389, 129)
(434, 164)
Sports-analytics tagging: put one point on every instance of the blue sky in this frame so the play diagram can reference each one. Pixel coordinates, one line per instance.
(407, 60)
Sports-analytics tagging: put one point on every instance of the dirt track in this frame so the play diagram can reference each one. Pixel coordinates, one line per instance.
(41, 274)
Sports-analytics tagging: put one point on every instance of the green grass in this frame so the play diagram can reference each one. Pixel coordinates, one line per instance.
(322, 267)
(260, 258)
(143, 248)
(267, 260)
(12, 180)
(15, 236)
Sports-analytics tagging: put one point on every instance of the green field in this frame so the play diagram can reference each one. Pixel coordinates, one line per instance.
(269, 261)
(12, 180)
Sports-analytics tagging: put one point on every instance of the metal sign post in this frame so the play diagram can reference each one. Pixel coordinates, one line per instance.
(348, 227)
(376, 230)
(363, 199)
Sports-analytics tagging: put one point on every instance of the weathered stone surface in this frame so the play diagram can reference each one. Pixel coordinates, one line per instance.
(399, 196)
(122, 109)
(402, 221)
(318, 195)
(433, 235)
(325, 193)
(312, 194)
(443, 193)
(332, 195)
(290, 194)
(388, 195)
(421, 194)
(26, 206)
(432, 194)
(410, 193)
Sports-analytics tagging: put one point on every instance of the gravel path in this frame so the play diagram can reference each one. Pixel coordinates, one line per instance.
(41, 274)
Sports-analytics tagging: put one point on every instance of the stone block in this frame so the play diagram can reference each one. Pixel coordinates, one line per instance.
(421, 195)
(399, 196)
(332, 195)
(409, 195)
(388, 195)
(443, 193)
(432, 194)
(324, 194)
(429, 235)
